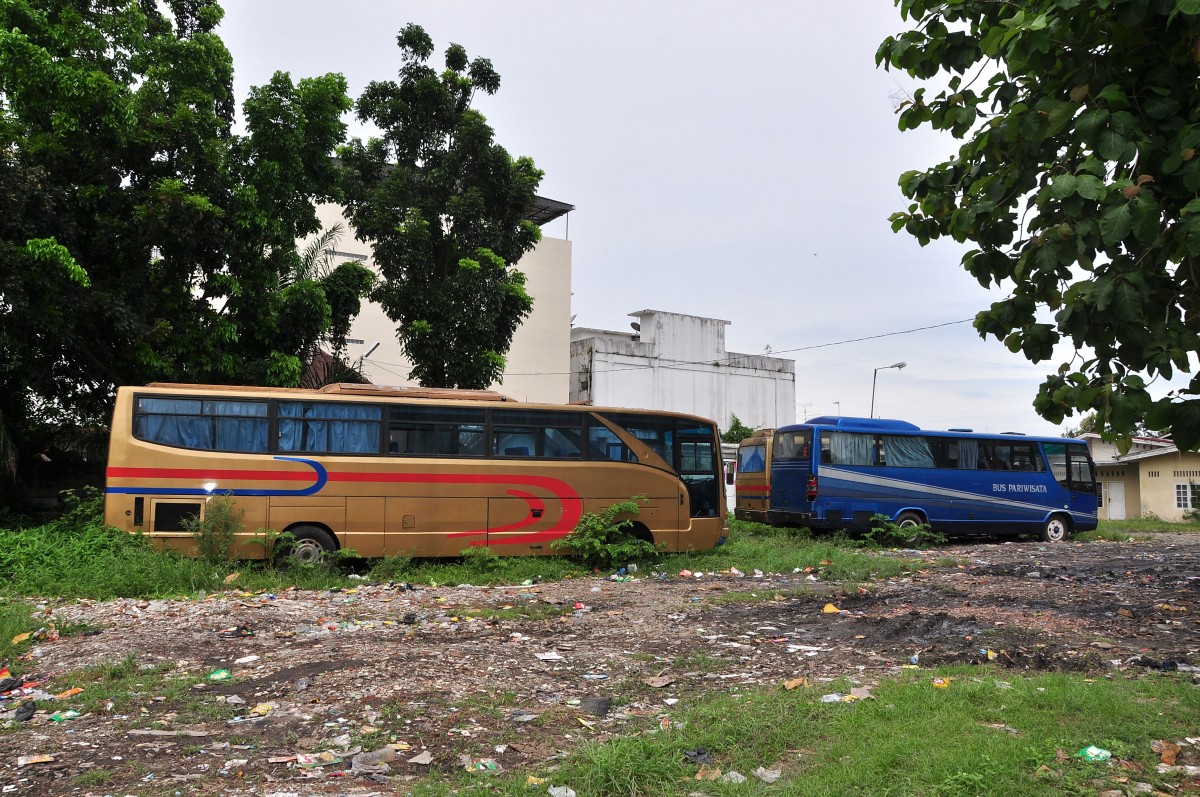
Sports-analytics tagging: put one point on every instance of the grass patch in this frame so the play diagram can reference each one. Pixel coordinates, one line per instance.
(989, 733)
(1146, 526)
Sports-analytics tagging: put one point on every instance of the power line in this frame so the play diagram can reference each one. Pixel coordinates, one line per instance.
(669, 363)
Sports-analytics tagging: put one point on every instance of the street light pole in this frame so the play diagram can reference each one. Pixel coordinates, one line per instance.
(875, 376)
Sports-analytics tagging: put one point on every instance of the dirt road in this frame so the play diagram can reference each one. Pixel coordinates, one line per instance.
(503, 676)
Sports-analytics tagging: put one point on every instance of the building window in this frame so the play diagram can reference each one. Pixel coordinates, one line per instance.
(1183, 496)
(1100, 495)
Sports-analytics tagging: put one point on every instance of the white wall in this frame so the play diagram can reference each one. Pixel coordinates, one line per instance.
(678, 362)
(538, 361)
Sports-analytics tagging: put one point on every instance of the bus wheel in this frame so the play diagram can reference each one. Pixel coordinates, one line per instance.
(308, 546)
(1055, 529)
(909, 520)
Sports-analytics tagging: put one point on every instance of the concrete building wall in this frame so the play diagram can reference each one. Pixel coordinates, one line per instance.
(678, 362)
(538, 361)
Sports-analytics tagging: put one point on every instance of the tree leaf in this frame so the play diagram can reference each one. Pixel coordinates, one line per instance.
(1115, 224)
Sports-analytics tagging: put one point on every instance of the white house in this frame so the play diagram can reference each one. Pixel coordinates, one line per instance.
(677, 362)
(1152, 479)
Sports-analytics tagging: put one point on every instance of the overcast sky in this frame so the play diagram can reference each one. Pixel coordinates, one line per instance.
(736, 161)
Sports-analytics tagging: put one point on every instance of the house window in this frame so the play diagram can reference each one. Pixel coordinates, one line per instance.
(1100, 495)
(1183, 496)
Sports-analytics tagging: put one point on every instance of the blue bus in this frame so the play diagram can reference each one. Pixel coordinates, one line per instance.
(835, 473)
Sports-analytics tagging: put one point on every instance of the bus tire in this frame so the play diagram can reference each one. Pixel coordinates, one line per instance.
(640, 532)
(909, 520)
(308, 546)
(1055, 529)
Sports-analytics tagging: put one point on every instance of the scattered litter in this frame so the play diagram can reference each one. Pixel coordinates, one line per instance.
(26, 760)
(551, 656)
(486, 765)
(796, 683)
(733, 777)
(219, 675)
(768, 775)
(424, 758)
(61, 716)
(69, 693)
(698, 756)
(246, 659)
(561, 791)
(659, 681)
(941, 683)
(838, 697)
(830, 609)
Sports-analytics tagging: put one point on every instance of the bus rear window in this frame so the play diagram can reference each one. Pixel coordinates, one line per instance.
(793, 445)
(752, 459)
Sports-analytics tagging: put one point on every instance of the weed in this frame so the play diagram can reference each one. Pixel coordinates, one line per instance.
(215, 532)
(93, 777)
(392, 568)
(602, 541)
(906, 532)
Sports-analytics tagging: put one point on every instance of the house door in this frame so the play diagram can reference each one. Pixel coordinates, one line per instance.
(1116, 500)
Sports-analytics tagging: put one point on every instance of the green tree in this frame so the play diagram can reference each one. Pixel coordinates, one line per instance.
(1076, 182)
(141, 239)
(444, 208)
(737, 431)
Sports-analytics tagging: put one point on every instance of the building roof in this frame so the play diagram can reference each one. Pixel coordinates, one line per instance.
(546, 210)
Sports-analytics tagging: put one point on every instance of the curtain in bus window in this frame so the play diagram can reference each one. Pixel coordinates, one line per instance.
(907, 451)
(291, 428)
(184, 427)
(752, 459)
(968, 454)
(848, 448)
(353, 428)
(240, 425)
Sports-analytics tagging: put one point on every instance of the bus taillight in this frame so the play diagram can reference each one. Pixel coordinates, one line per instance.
(811, 493)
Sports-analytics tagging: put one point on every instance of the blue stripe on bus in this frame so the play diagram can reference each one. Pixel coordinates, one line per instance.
(321, 474)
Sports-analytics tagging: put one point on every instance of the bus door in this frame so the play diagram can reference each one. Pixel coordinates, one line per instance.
(1073, 470)
(791, 469)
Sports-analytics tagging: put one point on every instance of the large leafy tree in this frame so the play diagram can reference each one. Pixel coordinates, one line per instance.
(1077, 182)
(142, 239)
(444, 208)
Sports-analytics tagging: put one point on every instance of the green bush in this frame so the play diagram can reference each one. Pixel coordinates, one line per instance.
(601, 541)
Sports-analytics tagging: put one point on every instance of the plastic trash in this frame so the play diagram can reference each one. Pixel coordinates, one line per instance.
(941, 683)
(829, 608)
(1093, 753)
(374, 760)
(25, 710)
(561, 791)
(595, 705)
(219, 675)
(60, 716)
(733, 777)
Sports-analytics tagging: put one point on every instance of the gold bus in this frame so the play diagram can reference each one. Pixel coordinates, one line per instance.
(403, 471)
(752, 477)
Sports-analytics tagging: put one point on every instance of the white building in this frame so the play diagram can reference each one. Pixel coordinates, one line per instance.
(538, 360)
(678, 362)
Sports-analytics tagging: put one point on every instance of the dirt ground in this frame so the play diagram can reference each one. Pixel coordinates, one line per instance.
(511, 677)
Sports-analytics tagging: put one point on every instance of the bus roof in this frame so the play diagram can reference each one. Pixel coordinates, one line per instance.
(886, 425)
(353, 389)
(362, 392)
(861, 423)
